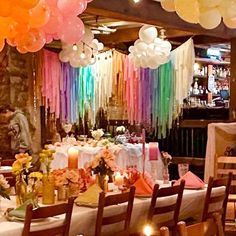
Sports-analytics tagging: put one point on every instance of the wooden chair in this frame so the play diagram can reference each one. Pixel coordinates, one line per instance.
(220, 198)
(211, 227)
(173, 207)
(49, 211)
(226, 164)
(105, 201)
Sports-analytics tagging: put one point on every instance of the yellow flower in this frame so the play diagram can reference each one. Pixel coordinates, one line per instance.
(17, 167)
(36, 174)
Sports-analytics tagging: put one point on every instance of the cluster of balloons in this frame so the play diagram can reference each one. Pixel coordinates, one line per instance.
(29, 24)
(82, 53)
(149, 50)
(208, 13)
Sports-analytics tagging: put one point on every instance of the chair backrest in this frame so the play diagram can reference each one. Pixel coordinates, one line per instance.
(164, 231)
(211, 227)
(168, 208)
(45, 212)
(105, 201)
(226, 164)
(219, 198)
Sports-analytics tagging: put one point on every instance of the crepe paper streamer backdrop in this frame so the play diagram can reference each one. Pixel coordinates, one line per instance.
(151, 97)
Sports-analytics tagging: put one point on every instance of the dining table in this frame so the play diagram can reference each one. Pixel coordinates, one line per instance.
(84, 218)
(126, 155)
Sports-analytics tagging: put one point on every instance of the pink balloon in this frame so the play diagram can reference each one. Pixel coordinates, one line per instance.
(72, 30)
(49, 38)
(55, 22)
(72, 7)
(51, 3)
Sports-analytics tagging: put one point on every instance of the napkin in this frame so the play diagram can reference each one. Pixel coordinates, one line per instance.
(89, 197)
(19, 212)
(191, 181)
(142, 187)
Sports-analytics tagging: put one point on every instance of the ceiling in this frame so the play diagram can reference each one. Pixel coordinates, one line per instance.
(124, 19)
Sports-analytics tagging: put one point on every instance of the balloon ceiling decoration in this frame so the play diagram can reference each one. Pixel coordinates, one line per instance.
(29, 24)
(207, 13)
(150, 50)
(82, 53)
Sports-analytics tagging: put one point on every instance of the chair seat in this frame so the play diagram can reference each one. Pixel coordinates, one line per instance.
(232, 198)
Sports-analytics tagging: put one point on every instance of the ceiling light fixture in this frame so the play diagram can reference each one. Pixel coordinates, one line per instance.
(136, 1)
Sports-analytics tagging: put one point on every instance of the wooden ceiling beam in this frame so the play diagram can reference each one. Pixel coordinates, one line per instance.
(150, 12)
(131, 34)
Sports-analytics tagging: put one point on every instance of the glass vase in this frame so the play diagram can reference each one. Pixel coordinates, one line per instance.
(165, 175)
(102, 182)
(48, 189)
(21, 190)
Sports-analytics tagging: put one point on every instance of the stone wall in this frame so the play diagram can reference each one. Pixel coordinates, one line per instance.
(17, 88)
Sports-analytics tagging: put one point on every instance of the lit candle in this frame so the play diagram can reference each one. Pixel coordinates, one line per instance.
(73, 154)
(118, 179)
(147, 230)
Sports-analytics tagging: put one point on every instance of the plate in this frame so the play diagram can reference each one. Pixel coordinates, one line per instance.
(15, 218)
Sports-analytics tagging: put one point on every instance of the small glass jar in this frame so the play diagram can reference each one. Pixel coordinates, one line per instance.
(62, 193)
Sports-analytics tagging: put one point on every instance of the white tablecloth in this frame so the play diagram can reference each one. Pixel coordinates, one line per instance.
(126, 155)
(83, 218)
(219, 136)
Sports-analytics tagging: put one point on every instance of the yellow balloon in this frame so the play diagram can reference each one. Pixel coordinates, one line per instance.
(39, 16)
(168, 5)
(210, 19)
(209, 3)
(188, 10)
(5, 8)
(27, 4)
(230, 22)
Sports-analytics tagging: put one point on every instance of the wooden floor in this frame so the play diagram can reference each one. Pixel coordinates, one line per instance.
(230, 226)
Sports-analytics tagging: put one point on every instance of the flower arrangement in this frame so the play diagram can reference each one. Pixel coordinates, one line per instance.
(103, 163)
(46, 157)
(97, 134)
(166, 158)
(22, 164)
(77, 179)
(4, 187)
(120, 129)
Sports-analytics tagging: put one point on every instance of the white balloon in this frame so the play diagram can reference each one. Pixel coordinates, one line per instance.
(131, 49)
(63, 56)
(141, 46)
(148, 33)
(210, 19)
(166, 45)
(150, 49)
(158, 41)
(100, 46)
(88, 36)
